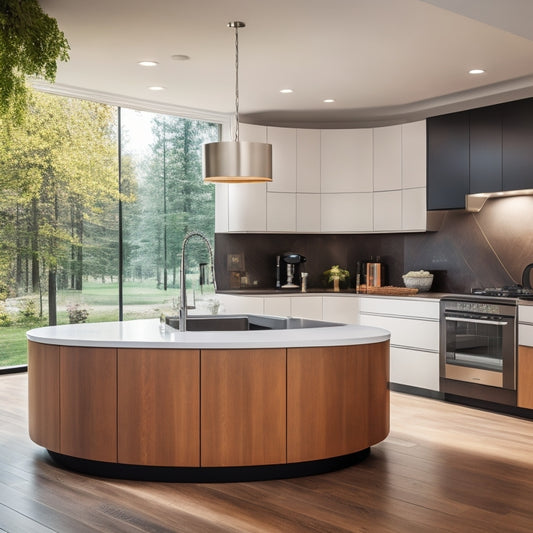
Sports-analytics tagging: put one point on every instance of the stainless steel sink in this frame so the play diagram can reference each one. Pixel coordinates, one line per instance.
(246, 322)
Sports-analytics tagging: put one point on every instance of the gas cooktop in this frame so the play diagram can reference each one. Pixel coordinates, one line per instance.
(512, 291)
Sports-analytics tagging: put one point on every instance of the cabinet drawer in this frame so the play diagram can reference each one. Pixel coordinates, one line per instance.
(420, 334)
(525, 313)
(414, 368)
(525, 335)
(400, 307)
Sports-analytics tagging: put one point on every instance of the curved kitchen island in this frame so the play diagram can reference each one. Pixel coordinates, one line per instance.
(134, 400)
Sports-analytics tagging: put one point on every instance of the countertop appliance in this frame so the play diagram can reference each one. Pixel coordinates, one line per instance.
(478, 347)
(292, 259)
(511, 291)
(369, 274)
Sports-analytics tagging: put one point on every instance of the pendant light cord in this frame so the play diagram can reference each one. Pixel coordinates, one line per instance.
(236, 82)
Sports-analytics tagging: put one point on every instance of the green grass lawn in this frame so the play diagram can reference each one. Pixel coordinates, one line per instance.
(13, 347)
(141, 300)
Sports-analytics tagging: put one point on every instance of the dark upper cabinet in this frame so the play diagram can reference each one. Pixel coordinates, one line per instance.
(486, 149)
(517, 137)
(447, 161)
(489, 149)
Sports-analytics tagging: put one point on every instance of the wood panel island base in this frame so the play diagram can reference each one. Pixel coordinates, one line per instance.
(127, 400)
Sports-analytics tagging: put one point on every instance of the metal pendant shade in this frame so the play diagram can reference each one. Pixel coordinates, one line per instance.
(237, 161)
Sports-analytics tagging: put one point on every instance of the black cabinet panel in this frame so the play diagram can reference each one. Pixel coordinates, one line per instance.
(517, 128)
(486, 149)
(448, 161)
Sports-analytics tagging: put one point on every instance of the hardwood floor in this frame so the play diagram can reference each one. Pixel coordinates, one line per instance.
(443, 468)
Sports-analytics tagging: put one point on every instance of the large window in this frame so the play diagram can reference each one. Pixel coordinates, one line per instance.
(94, 203)
(164, 154)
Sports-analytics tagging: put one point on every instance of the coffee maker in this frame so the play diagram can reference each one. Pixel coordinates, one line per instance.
(291, 259)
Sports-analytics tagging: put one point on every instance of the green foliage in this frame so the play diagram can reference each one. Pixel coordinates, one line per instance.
(336, 272)
(28, 313)
(77, 314)
(5, 319)
(172, 200)
(3, 291)
(59, 180)
(30, 45)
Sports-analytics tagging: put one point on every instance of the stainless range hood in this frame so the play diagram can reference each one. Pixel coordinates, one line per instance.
(475, 202)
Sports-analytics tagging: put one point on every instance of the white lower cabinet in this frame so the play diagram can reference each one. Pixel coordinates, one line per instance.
(277, 305)
(525, 325)
(306, 307)
(408, 332)
(525, 334)
(414, 327)
(340, 309)
(414, 368)
(235, 304)
(413, 324)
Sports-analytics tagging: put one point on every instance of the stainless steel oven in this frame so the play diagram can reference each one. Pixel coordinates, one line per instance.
(478, 349)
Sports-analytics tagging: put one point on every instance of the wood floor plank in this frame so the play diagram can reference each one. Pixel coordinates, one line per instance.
(444, 468)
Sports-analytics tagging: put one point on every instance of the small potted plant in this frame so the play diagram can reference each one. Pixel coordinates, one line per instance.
(336, 274)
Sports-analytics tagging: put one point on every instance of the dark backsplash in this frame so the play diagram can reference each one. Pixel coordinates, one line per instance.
(485, 249)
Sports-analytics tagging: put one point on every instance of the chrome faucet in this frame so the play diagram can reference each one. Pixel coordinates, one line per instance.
(183, 291)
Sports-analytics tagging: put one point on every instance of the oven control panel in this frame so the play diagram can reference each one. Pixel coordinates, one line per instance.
(479, 307)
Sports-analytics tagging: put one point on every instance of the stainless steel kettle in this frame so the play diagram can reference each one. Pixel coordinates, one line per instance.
(526, 277)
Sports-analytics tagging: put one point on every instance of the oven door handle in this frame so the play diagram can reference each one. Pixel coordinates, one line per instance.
(476, 321)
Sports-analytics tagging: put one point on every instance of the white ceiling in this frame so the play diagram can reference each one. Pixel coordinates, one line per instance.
(383, 61)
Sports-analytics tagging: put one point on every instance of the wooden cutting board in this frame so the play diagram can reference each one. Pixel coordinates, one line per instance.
(389, 290)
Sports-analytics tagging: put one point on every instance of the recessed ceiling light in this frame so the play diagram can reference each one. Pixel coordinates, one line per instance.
(286, 91)
(148, 63)
(476, 71)
(328, 100)
(180, 57)
(156, 88)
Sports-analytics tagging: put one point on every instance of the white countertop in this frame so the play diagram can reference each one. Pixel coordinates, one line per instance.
(279, 293)
(147, 334)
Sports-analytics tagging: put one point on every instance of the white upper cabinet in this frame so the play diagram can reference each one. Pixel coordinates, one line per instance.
(308, 161)
(414, 209)
(308, 213)
(221, 207)
(247, 201)
(414, 155)
(247, 207)
(332, 181)
(346, 161)
(281, 212)
(252, 133)
(347, 212)
(387, 154)
(387, 211)
(283, 141)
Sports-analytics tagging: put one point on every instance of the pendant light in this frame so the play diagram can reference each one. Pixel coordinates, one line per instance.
(237, 161)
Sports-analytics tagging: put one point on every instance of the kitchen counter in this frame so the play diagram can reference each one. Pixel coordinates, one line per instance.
(322, 292)
(129, 400)
(147, 334)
